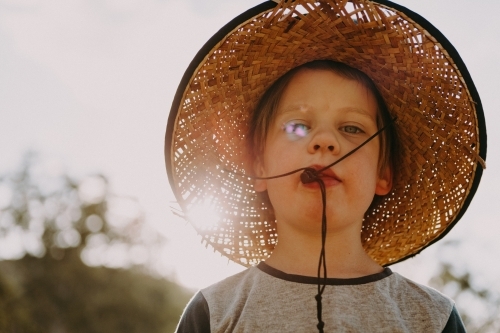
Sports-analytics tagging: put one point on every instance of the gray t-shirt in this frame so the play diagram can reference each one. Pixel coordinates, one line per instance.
(263, 299)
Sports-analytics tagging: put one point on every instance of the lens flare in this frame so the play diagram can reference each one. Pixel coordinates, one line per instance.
(203, 214)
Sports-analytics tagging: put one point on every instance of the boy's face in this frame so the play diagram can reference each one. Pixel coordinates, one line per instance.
(320, 118)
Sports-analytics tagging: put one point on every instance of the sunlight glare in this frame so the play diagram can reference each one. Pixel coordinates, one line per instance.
(203, 214)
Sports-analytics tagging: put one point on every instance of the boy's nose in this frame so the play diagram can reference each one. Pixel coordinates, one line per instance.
(317, 147)
(323, 141)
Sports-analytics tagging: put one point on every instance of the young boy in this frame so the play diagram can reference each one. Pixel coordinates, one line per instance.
(369, 202)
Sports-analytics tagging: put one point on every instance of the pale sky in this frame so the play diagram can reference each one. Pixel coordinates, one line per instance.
(89, 84)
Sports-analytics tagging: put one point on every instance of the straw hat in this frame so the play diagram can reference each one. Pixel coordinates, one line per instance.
(418, 72)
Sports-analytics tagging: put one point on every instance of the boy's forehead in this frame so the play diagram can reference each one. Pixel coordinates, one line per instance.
(308, 87)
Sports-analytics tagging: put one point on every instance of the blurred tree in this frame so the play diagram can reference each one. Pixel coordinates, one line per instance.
(47, 226)
(478, 306)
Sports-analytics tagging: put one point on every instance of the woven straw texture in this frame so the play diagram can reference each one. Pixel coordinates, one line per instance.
(421, 84)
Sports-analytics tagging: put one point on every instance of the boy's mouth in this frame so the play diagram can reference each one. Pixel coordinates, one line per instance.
(328, 177)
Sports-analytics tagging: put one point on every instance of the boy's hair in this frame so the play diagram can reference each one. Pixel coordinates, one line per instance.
(266, 109)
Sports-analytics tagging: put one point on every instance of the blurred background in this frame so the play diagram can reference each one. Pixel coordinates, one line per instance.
(88, 240)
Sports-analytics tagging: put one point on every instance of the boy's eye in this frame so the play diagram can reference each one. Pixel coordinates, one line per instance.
(352, 129)
(295, 130)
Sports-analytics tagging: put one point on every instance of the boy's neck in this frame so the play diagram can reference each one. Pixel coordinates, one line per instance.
(298, 253)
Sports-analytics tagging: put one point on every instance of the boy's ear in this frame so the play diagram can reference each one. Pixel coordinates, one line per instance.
(384, 182)
(259, 185)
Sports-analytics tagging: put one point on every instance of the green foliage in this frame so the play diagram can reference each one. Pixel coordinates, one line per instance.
(45, 286)
(14, 313)
(479, 307)
(50, 295)
(58, 212)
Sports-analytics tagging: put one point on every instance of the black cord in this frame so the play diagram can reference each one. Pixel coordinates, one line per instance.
(310, 175)
(322, 258)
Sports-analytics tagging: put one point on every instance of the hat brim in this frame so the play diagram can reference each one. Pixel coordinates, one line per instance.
(420, 75)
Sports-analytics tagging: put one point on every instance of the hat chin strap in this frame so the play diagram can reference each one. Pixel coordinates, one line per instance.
(310, 175)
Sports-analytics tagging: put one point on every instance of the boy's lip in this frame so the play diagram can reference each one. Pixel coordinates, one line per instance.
(328, 176)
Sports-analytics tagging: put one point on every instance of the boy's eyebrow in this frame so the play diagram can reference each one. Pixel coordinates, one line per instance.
(362, 112)
(304, 108)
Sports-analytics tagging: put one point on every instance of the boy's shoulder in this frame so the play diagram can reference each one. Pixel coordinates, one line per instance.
(413, 291)
(236, 283)
(420, 301)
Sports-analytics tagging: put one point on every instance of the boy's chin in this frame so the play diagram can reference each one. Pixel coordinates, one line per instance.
(335, 216)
